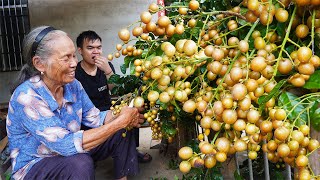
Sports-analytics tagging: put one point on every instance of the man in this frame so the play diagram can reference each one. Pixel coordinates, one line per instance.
(93, 72)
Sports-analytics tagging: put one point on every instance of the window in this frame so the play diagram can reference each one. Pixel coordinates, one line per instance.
(14, 24)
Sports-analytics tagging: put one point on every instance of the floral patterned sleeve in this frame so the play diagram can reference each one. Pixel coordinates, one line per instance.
(44, 126)
(91, 116)
(39, 127)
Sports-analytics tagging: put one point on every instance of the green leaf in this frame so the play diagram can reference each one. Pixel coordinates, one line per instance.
(123, 68)
(279, 175)
(144, 53)
(177, 37)
(128, 60)
(314, 81)
(171, 131)
(163, 105)
(203, 69)
(281, 27)
(215, 172)
(115, 90)
(132, 69)
(151, 56)
(158, 51)
(237, 176)
(317, 44)
(195, 32)
(289, 102)
(172, 13)
(242, 22)
(274, 93)
(114, 79)
(178, 4)
(290, 49)
(315, 115)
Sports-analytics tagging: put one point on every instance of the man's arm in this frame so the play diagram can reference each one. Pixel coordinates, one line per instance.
(109, 75)
(103, 64)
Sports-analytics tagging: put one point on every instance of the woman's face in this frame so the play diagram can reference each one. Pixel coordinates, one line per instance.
(61, 65)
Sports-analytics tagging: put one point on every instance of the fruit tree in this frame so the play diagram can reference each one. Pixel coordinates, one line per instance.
(246, 71)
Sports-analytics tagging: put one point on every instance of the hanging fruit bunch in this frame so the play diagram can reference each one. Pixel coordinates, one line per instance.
(246, 72)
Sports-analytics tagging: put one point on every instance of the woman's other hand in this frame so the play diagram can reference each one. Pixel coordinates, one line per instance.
(132, 116)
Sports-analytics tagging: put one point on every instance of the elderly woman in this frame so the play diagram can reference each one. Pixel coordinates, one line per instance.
(47, 109)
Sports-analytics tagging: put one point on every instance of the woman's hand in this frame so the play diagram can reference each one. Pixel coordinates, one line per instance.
(132, 116)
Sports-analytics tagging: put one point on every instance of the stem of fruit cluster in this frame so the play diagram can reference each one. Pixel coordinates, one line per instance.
(186, 60)
(292, 61)
(228, 13)
(148, 87)
(235, 58)
(133, 24)
(251, 30)
(306, 109)
(251, 54)
(268, 22)
(309, 121)
(295, 120)
(312, 173)
(281, 3)
(149, 50)
(289, 40)
(204, 25)
(216, 135)
(170, 7)
(222, 35)
(312, 32)
(300, 102)
(316, 94)
(285, 40)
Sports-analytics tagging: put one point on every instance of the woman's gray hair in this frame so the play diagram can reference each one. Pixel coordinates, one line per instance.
(43, 51)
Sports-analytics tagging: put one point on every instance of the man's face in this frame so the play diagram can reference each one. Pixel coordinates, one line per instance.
(90, 49)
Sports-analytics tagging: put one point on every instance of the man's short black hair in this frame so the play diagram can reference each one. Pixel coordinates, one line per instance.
(89, 35)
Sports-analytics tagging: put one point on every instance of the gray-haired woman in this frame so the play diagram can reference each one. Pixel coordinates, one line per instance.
(47, 109)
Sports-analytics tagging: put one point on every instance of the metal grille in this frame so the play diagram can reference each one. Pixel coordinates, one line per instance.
(14, 24)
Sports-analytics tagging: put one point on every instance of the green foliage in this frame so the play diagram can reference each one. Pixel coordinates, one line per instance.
(159, 178)
(237, 176)
(294, 108)
(204, 174)
(314, 81)
(300, 109)
(317, 44)
(281, 29)
(7, 175)
(128, 60)
(123, 68)
(124, 85)
(315, 115)
(276, 170)
(273, 94)
(173, 164)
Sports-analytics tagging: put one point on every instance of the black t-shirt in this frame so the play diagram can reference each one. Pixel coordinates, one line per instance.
(95, 86)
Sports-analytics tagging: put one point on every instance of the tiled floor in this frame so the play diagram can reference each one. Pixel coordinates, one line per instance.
(157, 168)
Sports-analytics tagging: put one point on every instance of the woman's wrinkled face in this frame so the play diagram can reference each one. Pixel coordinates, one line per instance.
(61, 65)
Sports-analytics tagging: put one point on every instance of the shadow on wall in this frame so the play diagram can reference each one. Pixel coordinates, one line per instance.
(6, 80)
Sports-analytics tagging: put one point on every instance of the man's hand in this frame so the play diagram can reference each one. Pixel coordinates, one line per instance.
(102, 63)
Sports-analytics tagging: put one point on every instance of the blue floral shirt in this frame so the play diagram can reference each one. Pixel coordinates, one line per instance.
(38, 128)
